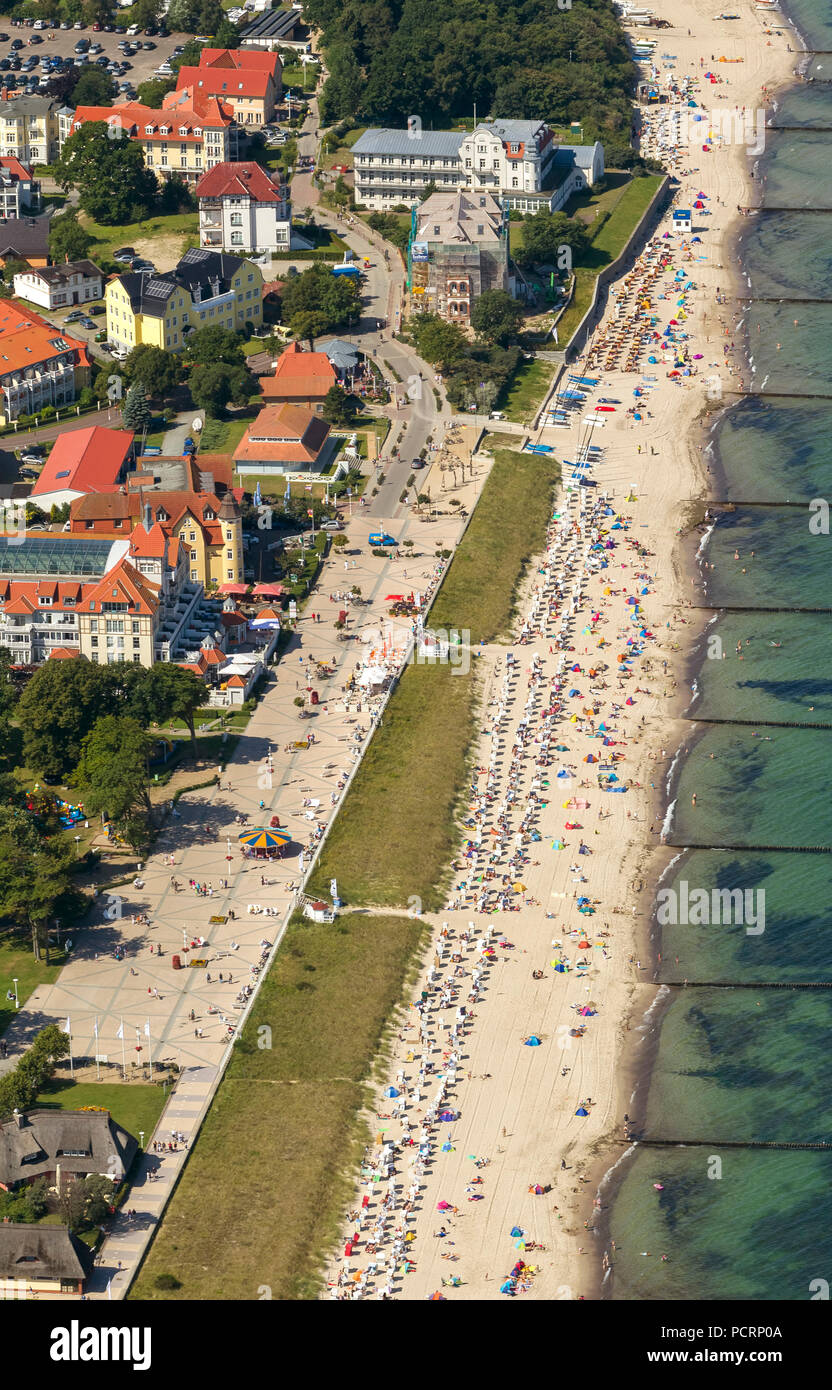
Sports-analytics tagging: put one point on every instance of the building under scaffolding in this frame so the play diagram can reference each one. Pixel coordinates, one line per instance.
(458, 250)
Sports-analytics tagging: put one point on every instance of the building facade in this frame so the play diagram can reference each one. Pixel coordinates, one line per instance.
(284, 439)
(179, 139)
(207, 289)
(39, 364)
(59, 286)
(33, 129)
(248, 82)
(242, 209)
(19, 189)
(300, 378)
(459, 251)
(516, 161)
(108, 600)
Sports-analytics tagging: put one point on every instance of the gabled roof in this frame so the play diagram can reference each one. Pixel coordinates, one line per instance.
(88, 460)
(27, 236)
(284, 433)
(134, 118)
(26, 339)
(82, 1141)
(251, 59)
(15, 169)
(31, 1252)
(124, 584)
(150, 544)
(240, 178)
(225, 82)
(61, 274)
(296, 370)
(61, 653)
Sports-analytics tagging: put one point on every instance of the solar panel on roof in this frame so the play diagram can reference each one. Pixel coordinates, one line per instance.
(64, 473)
(159, 289)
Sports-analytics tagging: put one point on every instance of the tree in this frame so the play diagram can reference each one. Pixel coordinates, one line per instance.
(94, 88)
(154, 369)
(437, 341)
(430, 188)
(34, 874)
(150, 93)
(57, 710)
(214, 387)
(496, 316)
(546, 235)
(112, 775)
(20, 1087)
(226, 35)
(109, 173)
(99, 1192)
(213, 345)
(339, 406)
(135, 413)
(317, 301)
(68, 240)
(170, 692)
(146, 13)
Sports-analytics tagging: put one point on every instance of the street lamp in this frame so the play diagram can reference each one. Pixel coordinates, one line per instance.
(16, 1000)
(77, 843)
(141, 1138)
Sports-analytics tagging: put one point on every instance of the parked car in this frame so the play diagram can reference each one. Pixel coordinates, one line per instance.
(133, 28)
(140, 263)
(124, 253)
(98, 309)
(148, 47)
(31, 458)
(74, 315)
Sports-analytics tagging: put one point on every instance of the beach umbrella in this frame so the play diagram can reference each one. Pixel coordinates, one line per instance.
(447, 1147)
(560, 968)
(447, 1116)
(582, 900)
(391, 1092)
(516, 1231)
(581, 1111)
(586, 1011)
(261, 838)
(532, 1041)
(436, 1297)
(443, 1206)
(697, 357)
(507, 1287)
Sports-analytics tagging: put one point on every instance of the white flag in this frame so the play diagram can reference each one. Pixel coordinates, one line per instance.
(147, 1027)
(95, 1029)
(120, 1033)
(109, 1295)
(68, 1028)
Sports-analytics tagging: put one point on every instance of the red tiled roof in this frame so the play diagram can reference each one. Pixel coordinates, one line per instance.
(225, 82)
(15, 168)
(233, 619)
(123, 584)
(236, 681)
(253, 59)
(26, 339)
(150, 544)
(284, 433)
(134, 118)
(87, 460)
(241, 178)
(299, 373)
(61, 653)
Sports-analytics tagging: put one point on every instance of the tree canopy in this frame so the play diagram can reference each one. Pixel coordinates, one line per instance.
(317, 302)
(68, 240)
(389, 59)
(496, 316)
(546, 235)
(156, 370)
(112, 775)
(109, 173)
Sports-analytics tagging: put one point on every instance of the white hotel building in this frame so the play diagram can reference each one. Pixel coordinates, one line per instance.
(519, 162)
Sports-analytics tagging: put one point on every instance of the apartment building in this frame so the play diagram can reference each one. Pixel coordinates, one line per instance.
(19, 189)
(182, 138)
(518, 161)
(209, 528)
(207, 288)
(108, 600)
(247, 82)
(460, 250)
(39, 364)
(242, 208)
(33, 129)
(58, 286)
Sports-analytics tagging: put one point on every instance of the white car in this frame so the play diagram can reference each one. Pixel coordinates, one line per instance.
(120, 354)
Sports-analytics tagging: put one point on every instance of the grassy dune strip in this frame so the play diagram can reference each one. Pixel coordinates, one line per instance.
(263, 1190)
(395, 833)
(479, 591)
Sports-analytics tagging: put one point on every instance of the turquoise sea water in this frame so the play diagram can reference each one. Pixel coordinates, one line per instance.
(739, 1051)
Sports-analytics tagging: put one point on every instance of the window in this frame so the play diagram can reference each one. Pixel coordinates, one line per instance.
(137, 641)
(137, 627)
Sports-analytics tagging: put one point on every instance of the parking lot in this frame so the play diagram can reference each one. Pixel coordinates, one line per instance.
(62, 43)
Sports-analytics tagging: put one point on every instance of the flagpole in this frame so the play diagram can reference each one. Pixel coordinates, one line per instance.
(149, 1050)
(69, 1034)
(97, 1062)
(123, 1058)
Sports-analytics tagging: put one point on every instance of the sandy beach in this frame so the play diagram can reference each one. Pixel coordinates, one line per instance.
(449, 1207)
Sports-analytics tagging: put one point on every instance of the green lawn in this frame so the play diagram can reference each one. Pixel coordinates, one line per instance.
(17, 961)
(526, 391)
(506, 530)
(175, 232)
(223, 436)
(608, 243)
(276, 1150)
(136, 1105)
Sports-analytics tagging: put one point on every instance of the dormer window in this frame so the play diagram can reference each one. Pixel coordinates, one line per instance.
(148, 130)
(164, 130)
(209, 514)
(197, 130)
(183, 130)
(45, 602)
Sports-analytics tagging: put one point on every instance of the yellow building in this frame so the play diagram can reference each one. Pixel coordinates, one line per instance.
(33, 129)
(207, 289)
(184, 138)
